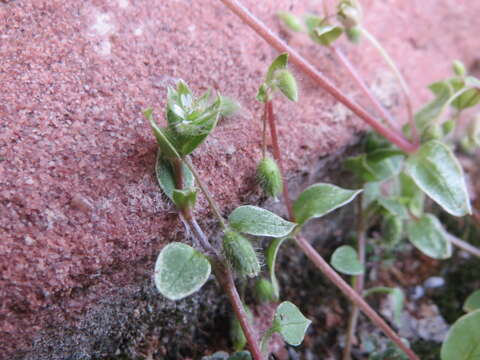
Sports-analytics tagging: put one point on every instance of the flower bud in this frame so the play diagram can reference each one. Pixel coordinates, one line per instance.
(269, 177)
(349, 13)
(286, 83)
(241, 254)
(459, 68)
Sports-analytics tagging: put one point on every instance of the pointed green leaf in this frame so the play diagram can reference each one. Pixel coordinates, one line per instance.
(321, 199)
(280, 63)
(256, 221)
(166, 179)
(271, 257)
(290, 323)
(165, 141)
(437, 172)
(286, 83)
(428, 236)
(185, 199)
(180, 271)
(473, 302)
(345, 260)
(394, 207)
(463, 339)
(290, 21)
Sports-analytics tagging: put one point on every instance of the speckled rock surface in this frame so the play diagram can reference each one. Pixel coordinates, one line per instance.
(81, 217)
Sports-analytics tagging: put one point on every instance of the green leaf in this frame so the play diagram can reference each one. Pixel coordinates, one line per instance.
(290, 21)
(326, 34)
(412, 195)
(262, 94)
(290, 323)
(286, 83)
(428, 236)
(271, 257)
(280, 63)
(165, 177)
(321, 199)
(180, 271)
(463, 339)
(345, 260)
(185, 199)
(437, 172)
(473, 302)
(443, 92)
(376, 166)
(394, 207)
(392, 229)
(164, 139)
(256, 221)
(458, 68)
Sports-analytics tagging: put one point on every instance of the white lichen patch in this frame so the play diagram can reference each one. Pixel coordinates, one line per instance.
(103, 24)
(138, 31)
(123, 3)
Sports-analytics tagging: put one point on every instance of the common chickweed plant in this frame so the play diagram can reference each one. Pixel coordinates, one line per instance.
(397, 173)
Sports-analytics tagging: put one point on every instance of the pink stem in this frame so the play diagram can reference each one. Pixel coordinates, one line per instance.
(263, 31)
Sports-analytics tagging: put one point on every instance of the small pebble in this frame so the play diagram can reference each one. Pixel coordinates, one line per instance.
(434, 282)
(417, 292)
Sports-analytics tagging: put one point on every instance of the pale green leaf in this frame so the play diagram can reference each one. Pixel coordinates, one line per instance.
(290, 323)
(321, 199)
(164, 140)
(287, 84)
(280, 63)
(437, 172)
(463, 339)
(428, 236)
(256, 221)
(345, 260)
(180, 271)
(165, 177)
(473, 302)
(290, 21)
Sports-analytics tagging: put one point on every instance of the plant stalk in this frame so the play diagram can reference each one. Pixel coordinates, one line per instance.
(463, 245)
(400, 78)
(359, 280)
(366, 91)
(262, 30)
(352, 295)
(277, 154)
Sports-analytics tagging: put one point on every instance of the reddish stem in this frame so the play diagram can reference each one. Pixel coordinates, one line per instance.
(352, 295)
(277, 154)
(366, 91)
(263, 31)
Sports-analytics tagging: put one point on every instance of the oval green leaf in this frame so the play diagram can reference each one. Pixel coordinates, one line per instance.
(345, 260)
(287, 84)
(290, 21)
(165, 178)
(256, 221)
(463, 339)
(473, 302)
(428, 236)
(437, 172)
(290, 323)
(320, 199)
(180, 271)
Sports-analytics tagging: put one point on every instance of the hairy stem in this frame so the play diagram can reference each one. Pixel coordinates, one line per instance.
(225, 277)
(401, 80)
(206, 192)
(264, 133)
(303, 65)
(358, 280)
(366, 91)
(352, 295)
(277, 154)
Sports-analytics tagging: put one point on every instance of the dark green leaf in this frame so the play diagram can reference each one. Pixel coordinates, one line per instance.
(256, 221)
(345, 260)
(321, 199)
(413, 196)
(437, 172)
(180, 271)
(166, 179)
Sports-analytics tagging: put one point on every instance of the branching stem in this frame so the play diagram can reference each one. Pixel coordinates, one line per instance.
(303, 65)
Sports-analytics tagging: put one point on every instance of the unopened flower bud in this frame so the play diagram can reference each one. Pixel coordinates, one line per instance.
(241, 254)
(269, 177)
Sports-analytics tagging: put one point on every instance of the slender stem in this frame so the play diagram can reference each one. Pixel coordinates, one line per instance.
(303, 65)
(264, 133)
(277, 154)
(366, 91)
(225, 277)
(401, 80)
(352, 295)
(463, 245)
(358, 280)
(206, 192)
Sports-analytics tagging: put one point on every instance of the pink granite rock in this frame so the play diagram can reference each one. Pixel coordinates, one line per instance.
(80, 212)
